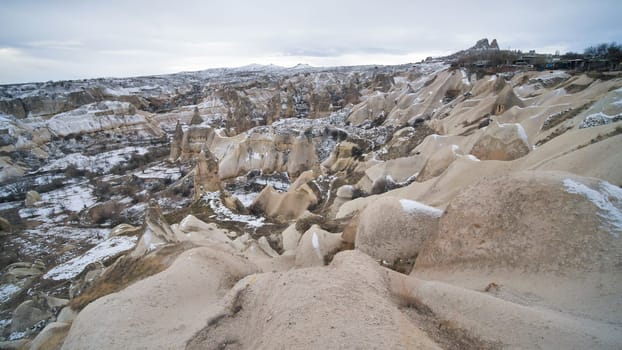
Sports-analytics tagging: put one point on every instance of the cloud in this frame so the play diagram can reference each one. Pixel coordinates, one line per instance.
(78, 39)
(55, 44)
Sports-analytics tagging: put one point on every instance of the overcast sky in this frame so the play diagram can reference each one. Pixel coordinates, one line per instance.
(44, 40)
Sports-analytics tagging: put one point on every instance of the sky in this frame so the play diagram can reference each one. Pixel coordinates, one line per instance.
(43, 40)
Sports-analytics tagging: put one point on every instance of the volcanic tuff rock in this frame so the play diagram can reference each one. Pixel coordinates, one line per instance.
(393, 229)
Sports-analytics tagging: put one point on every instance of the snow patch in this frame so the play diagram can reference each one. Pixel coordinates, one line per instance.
(223, 213)
(315, 241)
(608, 198)
(597, 119)
(412, 207)
(104, 250)
(7, 291)
(16, 336)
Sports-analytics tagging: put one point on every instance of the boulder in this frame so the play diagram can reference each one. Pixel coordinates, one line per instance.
(32, 198)
(392, 229)
(438, 162)
(346, 192)
(291, 237)
(317, 247)
(533, 221)
(501, 142)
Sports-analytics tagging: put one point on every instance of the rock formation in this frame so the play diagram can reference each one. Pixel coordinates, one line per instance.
(394, 230)
(206, 177)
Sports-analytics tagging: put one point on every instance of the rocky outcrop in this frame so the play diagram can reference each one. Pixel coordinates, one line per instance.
(317, 299)
(317, 247)
(393, 229)
(344, 157)
(156, 232)
(32, 198)
(289, 205)
(176, 143)
(191, 287)
(196, 118)
(102, 116)
(532, 222)
(502, 142)
(206, 177)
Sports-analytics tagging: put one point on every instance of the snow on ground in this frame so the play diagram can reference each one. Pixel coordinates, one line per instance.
(412, 207)
(42, 239)
(98, 163)
(599, 118)
(94, 117)
(159, 172)
(608, 199)
(7, 291)
(54, 204)
(246, 198)
(553, 76)
(223, 213)
(104, 250)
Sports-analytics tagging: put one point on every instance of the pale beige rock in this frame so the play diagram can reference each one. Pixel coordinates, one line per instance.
(391, 229)
(344, 305)
(51, 337)
(291, 237)
(32, 198)
(156, 232)
(346, 192)
(265, 246)
(124, 230)
(66, 315)
(206, 177)
(317, 247)
(502, 142)
(528, 221)
(438, 162)
(161, 311)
